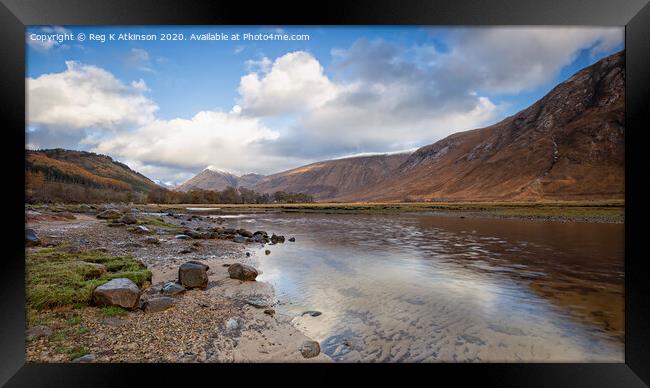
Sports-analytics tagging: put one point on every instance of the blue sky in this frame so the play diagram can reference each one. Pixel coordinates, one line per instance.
(171, 108)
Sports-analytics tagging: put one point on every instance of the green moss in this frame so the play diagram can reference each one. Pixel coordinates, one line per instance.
(75, 320)
(113, 311)
(59, 278)
(158, 222)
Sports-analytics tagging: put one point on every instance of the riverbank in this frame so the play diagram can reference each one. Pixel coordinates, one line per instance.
(562, 211)
(229, 320)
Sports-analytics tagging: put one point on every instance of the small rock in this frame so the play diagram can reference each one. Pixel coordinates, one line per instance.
(152, 240)
(233, 324)
(38, 331)
(141, 229)
(245, 233)
(116, 224)
(310, 349)
(242, 272)
(192, 233)
(270, 312)
(240, 239)
(292, 239)
(172, 289)
(128, 219)
(193, 274)
(312, 313)
(268, 252)
(31, 238)
(248, 254)
(230, 231)
(117, 292)
(183, 237)
(157, 304)
(277, 239)
(83, 359)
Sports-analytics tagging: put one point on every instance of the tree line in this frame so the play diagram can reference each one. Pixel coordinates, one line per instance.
(230, 195)
(40, 189)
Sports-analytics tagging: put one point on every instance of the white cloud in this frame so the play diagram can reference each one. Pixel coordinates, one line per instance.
(515, 59)
(227, 140)
(86, 97)
(295, 82)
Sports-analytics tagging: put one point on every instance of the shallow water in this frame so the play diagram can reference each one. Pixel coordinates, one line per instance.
(420, 287)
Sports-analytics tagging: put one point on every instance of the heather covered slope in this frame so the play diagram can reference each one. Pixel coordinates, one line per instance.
(66, 175)
(331, 179)
(569, 145)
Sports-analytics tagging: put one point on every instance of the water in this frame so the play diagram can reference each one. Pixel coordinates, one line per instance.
(420, 287)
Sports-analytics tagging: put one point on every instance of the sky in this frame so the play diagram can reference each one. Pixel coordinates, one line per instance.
(170, 101)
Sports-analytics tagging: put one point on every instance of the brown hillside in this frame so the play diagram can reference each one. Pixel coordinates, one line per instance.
(569, 145)
(332, 179)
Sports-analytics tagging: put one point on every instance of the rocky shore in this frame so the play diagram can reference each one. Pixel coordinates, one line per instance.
(196, 298)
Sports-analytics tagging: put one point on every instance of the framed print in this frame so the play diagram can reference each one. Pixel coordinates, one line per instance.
(371, 188)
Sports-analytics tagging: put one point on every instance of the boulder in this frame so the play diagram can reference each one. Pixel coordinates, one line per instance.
(128, 219)
(110, 214)
(31, 238)
(230, 231)
(242, 272)
(172, 289)
(270, 312)
(310, 349)
(159, 303)
(117, 292)
(193, 274)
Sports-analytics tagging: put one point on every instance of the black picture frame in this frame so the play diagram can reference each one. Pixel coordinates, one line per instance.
(16, 14)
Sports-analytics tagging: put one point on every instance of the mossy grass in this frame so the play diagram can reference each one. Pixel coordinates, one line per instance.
(113, 311)
(59, 278)
(158, 222)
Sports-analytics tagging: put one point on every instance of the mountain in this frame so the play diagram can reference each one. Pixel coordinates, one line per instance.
(569, 145)
(217, 180)
(58, 174)
(331, 179)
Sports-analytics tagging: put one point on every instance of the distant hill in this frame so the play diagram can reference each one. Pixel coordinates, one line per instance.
(57, 173)
(569, 145)
(332, 179)
(217, 180)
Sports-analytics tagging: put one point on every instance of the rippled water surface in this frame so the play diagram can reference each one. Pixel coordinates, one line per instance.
(419, 287)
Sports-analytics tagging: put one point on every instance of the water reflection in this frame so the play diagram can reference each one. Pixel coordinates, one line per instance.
(417, 287)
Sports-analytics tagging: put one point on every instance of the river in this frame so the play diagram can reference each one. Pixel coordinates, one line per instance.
(422, 287)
